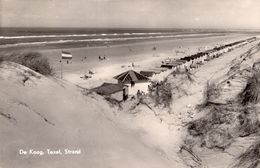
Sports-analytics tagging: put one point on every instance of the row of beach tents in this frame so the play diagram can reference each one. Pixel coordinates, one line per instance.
(193, 61)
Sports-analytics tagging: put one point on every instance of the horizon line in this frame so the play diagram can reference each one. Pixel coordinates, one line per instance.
(190, 28)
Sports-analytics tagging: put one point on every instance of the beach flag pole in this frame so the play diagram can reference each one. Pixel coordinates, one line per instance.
(67, 56)
(61, 65)
(61, 73)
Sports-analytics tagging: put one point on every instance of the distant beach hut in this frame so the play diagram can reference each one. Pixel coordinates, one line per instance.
(135, 81)
(177, 64)
(115, 91)
(150, 72)
(147, 73)
(159, 69)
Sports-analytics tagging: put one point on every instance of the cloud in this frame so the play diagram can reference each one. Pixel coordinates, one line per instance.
(132, 13)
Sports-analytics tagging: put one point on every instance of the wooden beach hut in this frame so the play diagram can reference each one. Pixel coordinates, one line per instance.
(115, 91)
(135, 81)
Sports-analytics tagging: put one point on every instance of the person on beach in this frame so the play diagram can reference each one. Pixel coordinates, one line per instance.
(91, 72)
(138, 93)
(186, 68)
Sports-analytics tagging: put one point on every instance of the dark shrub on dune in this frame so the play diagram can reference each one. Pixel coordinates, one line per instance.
(33, 60)
(176, 84)
(252, 90)
(161, 93)
(250, 158)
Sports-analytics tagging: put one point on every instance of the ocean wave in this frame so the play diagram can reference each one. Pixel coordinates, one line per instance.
(82, 35)
(101, 40)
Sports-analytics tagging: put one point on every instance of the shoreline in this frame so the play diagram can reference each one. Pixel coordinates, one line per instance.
(92, 42)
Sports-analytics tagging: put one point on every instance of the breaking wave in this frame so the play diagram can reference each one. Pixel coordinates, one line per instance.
(153, 36)
(82, 35)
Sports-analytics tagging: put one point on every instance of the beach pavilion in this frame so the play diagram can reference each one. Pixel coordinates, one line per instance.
(135, 81)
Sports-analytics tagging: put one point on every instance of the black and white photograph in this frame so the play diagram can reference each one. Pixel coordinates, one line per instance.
(129, 83)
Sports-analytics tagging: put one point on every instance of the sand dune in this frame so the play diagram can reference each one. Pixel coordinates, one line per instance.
(39, 113)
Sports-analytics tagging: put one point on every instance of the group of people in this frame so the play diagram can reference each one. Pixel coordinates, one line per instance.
(140, 93)
(101, 58)
(89, 75)
(68, 61)
(84, 58)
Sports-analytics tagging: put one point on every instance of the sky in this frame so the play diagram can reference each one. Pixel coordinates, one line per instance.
(235, 14)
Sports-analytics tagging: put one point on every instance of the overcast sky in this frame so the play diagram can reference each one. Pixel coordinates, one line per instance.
(131, 13)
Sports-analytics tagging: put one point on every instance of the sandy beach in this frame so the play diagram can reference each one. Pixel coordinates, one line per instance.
(121, 57)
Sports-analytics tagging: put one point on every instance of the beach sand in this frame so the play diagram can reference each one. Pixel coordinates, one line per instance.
(119, 58)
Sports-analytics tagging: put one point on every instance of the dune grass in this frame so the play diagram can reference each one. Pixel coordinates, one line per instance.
(210, 90)
(33, 60)
(189, 76)
(223, 124)
(250, 158)
(251, 92)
